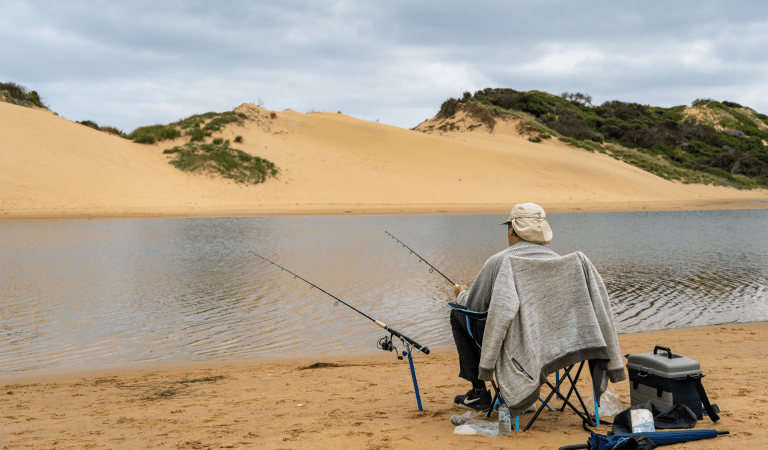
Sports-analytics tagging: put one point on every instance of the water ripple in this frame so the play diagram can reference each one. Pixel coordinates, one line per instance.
(79, 293)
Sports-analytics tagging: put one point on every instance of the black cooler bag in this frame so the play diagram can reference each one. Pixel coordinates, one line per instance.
(667, 379)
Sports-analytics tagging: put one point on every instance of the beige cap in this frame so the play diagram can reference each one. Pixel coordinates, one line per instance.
(530, 223)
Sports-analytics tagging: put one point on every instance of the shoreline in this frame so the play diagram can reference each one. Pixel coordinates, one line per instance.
(133, 367)
(360, 401)
(385, 209)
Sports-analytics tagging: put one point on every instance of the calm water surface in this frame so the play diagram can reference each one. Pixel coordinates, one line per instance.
(81, 293)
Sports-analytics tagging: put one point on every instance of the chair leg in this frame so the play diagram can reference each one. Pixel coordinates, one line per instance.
(581, 401)
(582, 416)
(496, 398)
(554, 390)
(573, 384)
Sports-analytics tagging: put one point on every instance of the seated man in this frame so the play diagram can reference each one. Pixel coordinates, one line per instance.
(527, 233)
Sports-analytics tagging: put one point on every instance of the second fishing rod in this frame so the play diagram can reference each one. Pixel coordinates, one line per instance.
(421, 259)
(385, 344)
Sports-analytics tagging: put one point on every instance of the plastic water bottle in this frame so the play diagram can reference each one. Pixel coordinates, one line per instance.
(505, 421)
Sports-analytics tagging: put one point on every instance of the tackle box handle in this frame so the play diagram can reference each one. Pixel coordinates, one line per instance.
(659, 347)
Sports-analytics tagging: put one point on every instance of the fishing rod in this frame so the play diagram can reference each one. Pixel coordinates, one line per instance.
(432, 268)
(384, 343)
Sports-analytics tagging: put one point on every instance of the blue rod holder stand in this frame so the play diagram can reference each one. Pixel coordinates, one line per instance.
(597, 409)
(413, 375)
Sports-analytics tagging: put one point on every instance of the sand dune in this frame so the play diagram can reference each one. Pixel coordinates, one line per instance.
(330, 163)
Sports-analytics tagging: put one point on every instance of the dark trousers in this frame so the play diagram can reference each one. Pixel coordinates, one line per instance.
(468, 333)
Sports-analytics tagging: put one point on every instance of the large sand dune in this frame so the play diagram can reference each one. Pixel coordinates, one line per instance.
(330, 163)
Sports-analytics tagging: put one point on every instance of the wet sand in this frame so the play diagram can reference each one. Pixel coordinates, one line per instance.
(366, 402)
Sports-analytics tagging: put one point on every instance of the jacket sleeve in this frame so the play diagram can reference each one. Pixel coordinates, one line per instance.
(503, 308)
(601, 302)
(478, 296)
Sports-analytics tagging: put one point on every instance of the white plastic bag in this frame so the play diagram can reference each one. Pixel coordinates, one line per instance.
(461, 419)
(609, 404)
(482, 427)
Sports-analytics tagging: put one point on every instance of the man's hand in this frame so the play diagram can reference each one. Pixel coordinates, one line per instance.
(459, 289)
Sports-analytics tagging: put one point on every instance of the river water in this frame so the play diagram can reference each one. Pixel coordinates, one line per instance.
(83, 293)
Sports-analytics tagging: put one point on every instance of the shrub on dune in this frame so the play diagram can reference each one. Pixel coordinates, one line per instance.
(221, 160)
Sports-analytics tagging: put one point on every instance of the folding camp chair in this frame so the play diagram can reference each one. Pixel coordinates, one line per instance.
(554, 389)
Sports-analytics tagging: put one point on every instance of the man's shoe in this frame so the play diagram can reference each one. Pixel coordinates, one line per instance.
(473, 400)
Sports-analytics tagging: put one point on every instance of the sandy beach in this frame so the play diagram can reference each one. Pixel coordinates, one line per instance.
(364, 401)
(330, 164)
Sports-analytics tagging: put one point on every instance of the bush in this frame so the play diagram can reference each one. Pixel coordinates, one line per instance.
(196, 135)
(218, 122)
(89, 123)
(578, 98)
(238, 139)
(273, 115)
(448, 108)
(218, 141)
(16, 91)
(154, 133)
(18, 95)
(111, 130)
(34, 98)
(572, 126)
(222, 160)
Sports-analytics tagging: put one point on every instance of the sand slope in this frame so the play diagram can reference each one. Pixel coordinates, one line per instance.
(330, 163)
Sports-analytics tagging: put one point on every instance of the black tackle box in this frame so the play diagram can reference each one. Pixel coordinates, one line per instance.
(664, 378)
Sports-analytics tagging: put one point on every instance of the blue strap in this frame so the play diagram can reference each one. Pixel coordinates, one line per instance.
(469, 329)
(465, 310)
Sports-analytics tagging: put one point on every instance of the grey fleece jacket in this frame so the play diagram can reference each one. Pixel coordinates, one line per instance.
(478, 296)
(545, 312)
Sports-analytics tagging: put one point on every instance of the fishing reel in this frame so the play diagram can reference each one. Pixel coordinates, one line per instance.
(388, 345)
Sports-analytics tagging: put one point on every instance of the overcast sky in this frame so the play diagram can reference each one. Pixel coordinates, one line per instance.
(133, 63)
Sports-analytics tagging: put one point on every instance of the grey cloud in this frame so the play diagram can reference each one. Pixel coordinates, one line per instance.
(136, 63)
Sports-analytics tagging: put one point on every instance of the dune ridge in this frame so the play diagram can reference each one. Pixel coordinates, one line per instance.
(329, 164)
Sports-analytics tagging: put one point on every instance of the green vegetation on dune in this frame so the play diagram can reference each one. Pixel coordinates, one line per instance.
(110, 130)
(217, 157)
(18, 95)
(220, 159)
(197, 127)
(712, 142)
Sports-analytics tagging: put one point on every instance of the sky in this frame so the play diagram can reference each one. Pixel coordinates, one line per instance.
(131, 64)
